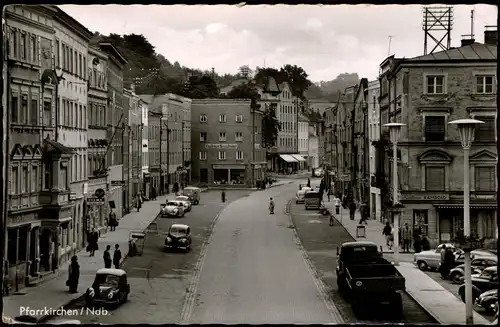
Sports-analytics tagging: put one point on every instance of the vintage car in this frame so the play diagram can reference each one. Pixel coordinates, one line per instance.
(431, 259)
(488, 301)
(299, 197)
(478, 264)
(110, 287)
(185, 200)
(312, 200)
(172, 209)
(178, 237)
(193, 193)
(485, 281)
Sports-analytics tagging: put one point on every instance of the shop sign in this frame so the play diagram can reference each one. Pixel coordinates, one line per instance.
(258, 166)
(95, 201)
(72, 196)
(117, 183)
(220, 146)
(426, 197)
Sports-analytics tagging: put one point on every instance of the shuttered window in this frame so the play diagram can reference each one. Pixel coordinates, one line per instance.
(485, 179)
(434, 128)
(485, 132)
(434, 179)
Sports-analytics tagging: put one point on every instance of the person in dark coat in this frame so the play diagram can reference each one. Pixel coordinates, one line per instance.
(92, 239)
(112, 221)
(447, 262)
(153, 194)
(73, 275)
(117, 256)
(308, 183)
(138, 201)
(364, 214)
(387, 232)
(107, 257)
(352, 210)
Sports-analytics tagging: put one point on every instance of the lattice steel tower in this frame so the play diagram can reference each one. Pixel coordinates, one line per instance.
(436, 21)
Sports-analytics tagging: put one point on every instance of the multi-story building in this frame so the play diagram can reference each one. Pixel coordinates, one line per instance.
(154, 123)
(71, 53)
(303, 136)
(133, 138)
(186, 140)
(329, 139)
(360, 145)
(313, 145)
(374, 136)
(145, 176)
(426, 93)
(222, 141)
(116, 121)
(126, 152)
(268, 100)
(34, 158)
(97, 168)
(319, 105)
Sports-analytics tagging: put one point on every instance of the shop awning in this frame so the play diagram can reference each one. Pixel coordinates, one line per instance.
(490, 206)
(298, 157)
(288, 158)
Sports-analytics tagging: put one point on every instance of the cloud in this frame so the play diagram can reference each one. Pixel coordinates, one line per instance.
(324, 40)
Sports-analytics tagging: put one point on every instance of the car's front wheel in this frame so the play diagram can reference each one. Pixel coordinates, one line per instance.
(422, 265)
(456, 277)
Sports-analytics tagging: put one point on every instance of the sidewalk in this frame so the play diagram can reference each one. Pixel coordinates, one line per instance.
(53, 293)
(442, 305)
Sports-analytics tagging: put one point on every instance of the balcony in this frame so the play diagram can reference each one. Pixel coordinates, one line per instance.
(54, 197)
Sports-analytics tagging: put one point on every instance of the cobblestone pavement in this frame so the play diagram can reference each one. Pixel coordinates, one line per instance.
(320, 241)
(453, 288)
(159, 279)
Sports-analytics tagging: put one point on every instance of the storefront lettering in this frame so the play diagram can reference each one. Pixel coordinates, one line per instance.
(221, 146)
(426, 197)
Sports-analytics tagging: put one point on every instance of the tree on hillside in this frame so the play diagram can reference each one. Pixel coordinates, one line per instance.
(244, 91)
(200, 87)
(262, 75)
(297, 78)
(139, 44)
(270, 127)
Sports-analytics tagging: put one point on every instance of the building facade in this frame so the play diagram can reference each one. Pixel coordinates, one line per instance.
(154, 122)
(97, 168)
(115, 132)
(145, 176)
(313, 152)
(303, 140)
(361, 146)
(374, 135)
(223, 144)
(426, 93)
(186, 140)
(133, 138)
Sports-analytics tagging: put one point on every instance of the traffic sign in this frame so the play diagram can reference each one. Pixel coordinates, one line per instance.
(99, 193)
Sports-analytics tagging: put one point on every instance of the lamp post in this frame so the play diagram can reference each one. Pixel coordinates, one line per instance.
(466, 128)
(395, 131)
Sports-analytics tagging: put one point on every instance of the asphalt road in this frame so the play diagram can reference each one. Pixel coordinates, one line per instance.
(320, 242)
(253, 272)
(159, 279)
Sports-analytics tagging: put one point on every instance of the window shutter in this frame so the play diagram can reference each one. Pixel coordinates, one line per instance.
(485, 132)
(485, 178)
(434, 179)
(434, 128)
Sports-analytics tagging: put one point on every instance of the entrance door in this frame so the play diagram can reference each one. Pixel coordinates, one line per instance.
(45, 250)
(445, 230)
(203, 175)
(32, 258)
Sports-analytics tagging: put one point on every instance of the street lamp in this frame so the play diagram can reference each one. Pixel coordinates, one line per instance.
(395, 132)
(466, 128)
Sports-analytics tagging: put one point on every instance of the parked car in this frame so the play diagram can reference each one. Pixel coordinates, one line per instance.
(172, 209)
(110, 287)
(485, 281)
(431, 259)
(193, 193)
(299, 197)
(477, 264)
(312, 200)
(488, 301)
(185, 200)
(178, 237)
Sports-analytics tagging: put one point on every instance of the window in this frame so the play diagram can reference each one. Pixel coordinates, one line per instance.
(34, 178)
(435, 84)
(222, 136)
(484, 84)
(34, 52)
(34, 111)
(203, 137)
(238, 136)
(58, 56)
(485, 178)
(63, 56)
(203, 118)
(80, 65)
(435, 178)
(14, 181)
(222, 155)
(485, 132)
(14, 114)
(435, 128)
(47, 117)
(222, 118)
(24, 45)
(63, 178)
(239, 155)
(24, 109)
(24, 183)
(203, 155)
(14, 43)
(239, 118)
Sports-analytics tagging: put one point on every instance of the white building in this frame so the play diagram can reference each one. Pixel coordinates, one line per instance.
(303, 136)
(186, 139)
(374, 135)
(313, 147)
(146, 178)
(71, 53)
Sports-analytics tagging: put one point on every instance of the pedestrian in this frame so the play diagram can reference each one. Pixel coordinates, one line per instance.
(442, 265)
(73, 275)
(308, 183)
(92, 239)
(107, 257)
(328, 193)
(337, 205)
(117, 256)
(332, 222)
(138, 202)
(363, 212)
(387, 232)
(223, 196)
(153, 194)
(406, 235)
(112, 221)
(352, 210)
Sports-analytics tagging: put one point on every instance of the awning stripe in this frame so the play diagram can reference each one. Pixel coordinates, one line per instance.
(298, 157)
(287, 158)
(460, 206)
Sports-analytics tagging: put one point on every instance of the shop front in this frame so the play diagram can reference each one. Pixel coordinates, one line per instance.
(146, 184)
(230, 175)
(301, 161)
(287, 163)
(96, 213)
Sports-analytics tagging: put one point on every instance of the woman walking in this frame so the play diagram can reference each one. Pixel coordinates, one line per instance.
(73, 275)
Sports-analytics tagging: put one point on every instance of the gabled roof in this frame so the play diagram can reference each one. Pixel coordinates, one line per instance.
(271, 86)
(475, 51)
(113, 51)
(50, 146)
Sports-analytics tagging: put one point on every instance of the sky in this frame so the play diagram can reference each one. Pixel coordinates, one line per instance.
(325, 40)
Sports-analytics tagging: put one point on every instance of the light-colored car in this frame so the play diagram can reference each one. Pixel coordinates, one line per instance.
(172, 209)
(186, 201)
(431, 259)
(299, 197)
(478, 264)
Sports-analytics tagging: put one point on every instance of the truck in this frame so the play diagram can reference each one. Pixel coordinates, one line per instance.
(364, 277)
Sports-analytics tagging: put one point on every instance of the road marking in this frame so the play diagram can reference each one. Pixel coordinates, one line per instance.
(332, 309)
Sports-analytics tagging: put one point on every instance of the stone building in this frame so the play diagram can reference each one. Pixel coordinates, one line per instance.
(145, 176)
(223, 144)
(426, 93)
(373, 136)
(360, 145)
(303, 137)
(154, 123)
(135, 158)
(97, 168)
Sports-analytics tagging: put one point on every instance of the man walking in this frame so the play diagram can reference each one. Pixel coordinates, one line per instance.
(117, 256)
(107, 257)
(387, 232)
(406, 235)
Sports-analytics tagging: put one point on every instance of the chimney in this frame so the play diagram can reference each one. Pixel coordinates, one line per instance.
(490, 35)
(467, 40)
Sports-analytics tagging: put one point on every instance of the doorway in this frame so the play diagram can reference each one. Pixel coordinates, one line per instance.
(45, 238)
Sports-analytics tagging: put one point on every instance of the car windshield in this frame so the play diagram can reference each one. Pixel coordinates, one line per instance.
(107, 279)
(172, 204)
(177, 230)
(182, 198)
